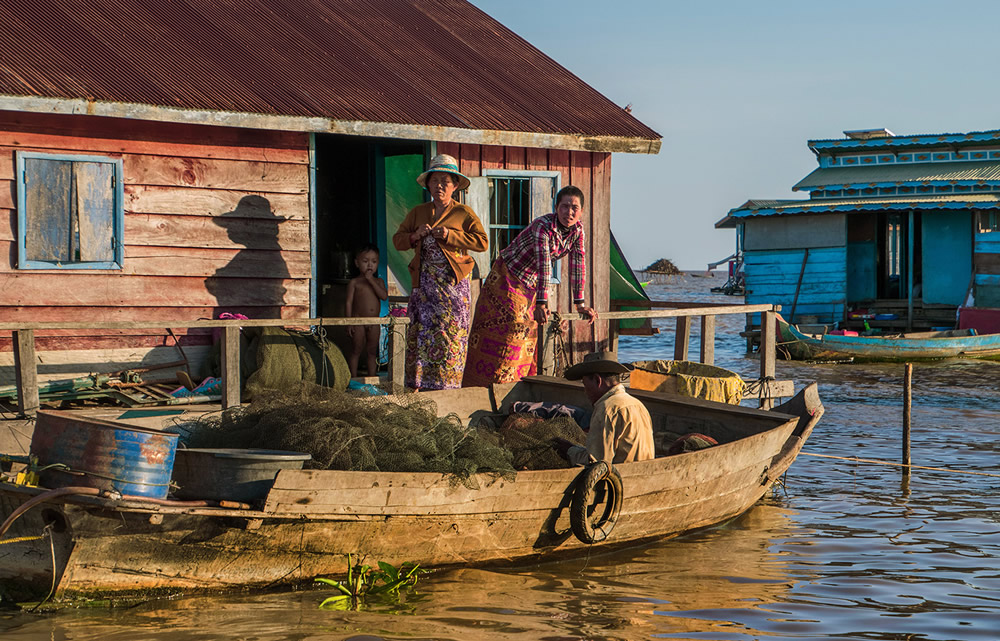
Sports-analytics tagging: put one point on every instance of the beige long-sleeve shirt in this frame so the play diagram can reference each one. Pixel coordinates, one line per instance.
(620, 431)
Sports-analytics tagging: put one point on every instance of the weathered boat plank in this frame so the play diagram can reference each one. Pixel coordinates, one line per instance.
(312, 518)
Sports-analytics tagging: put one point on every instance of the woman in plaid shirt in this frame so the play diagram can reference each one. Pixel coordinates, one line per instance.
(515, 297)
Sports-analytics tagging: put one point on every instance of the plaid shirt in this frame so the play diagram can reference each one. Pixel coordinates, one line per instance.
(529, 256)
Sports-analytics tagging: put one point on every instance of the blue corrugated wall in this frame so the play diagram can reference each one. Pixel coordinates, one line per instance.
(771, 277)
(946, 256)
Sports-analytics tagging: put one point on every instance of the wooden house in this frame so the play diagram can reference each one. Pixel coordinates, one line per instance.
(174, 161)
(898, 231)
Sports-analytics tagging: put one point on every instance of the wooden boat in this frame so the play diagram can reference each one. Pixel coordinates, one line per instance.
(312, 518)
(911, 346)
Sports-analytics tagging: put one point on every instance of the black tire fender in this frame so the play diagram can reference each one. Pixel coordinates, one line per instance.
(594, 528)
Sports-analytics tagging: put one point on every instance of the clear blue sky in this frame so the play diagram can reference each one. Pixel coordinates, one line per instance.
(736, 88)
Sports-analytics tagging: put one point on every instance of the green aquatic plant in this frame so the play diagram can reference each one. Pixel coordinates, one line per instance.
(365, 582)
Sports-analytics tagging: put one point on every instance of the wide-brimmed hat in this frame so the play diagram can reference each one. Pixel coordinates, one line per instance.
(447, 164)
(596, 363)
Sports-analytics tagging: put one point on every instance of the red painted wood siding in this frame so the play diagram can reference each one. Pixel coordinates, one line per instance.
(591, 172)
(191, 249)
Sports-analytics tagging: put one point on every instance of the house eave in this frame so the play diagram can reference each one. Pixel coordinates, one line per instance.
(306, 124)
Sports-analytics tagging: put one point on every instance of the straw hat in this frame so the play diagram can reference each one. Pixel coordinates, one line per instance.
(596, 363)
(447, 164)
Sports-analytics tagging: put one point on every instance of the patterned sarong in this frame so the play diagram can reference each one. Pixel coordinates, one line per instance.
(438, 333)
(504, 333)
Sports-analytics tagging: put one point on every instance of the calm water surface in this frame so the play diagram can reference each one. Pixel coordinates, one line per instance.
(842, 551)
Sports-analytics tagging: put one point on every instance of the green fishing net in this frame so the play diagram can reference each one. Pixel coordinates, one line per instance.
(398, 433)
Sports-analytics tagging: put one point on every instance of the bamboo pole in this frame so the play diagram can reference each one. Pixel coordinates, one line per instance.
(907, 402)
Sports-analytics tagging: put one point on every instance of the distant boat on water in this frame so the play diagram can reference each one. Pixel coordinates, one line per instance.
(911, 346)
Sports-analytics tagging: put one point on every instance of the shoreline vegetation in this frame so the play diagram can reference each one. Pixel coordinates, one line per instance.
(663, 266)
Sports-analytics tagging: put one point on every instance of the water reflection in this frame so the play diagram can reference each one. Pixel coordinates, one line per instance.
(846, 551)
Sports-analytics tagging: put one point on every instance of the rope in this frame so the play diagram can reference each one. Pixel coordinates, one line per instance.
(52, 549)
(758, 388)
(561, 351)
(915, 467)
(22, 539)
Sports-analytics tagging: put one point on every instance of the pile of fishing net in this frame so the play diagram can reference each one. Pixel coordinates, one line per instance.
(398, 433)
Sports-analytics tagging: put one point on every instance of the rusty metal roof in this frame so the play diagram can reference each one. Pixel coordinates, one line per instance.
(426, 63)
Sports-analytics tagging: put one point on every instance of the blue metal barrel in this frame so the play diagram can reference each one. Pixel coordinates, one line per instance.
(102, 454)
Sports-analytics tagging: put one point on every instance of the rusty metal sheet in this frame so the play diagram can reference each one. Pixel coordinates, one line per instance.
(434, 63)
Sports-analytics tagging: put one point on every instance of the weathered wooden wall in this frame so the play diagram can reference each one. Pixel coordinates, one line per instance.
(986, 266)
(591, 172)
(192, 250)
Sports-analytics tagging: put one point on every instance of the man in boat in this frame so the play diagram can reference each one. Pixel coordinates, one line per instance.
(620, 427)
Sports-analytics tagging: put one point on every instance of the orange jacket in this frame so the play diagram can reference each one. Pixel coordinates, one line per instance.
(465, 234)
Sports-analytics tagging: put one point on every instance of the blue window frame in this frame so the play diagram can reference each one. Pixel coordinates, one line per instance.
(517, 198)
(70, 212)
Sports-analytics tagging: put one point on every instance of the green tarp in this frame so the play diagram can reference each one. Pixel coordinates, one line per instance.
(625, 286)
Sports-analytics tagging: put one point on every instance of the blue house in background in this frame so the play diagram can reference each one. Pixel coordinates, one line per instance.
(898, 226)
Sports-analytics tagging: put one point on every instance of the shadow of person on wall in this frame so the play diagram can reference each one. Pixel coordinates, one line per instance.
(253, 281)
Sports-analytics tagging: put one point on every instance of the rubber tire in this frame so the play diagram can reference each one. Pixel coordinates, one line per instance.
(583, 495)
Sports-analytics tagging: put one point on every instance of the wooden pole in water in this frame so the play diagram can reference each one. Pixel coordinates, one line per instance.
(907, 399)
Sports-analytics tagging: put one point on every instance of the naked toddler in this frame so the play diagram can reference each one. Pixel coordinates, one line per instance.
(364, 295)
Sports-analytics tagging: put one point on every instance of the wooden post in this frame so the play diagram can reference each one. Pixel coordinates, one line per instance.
(708, 339)
(907, 400)
(682, 338)
(230, 367)
(768, 327)
(613, 336)
(26, 372)
(397, 354)
(546, 351)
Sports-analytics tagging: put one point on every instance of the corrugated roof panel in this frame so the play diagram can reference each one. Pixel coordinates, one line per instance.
(755, 208)
(919, 140)
(424, 62)
(900, 173)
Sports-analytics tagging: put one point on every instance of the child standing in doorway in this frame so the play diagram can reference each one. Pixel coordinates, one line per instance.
(364, 295)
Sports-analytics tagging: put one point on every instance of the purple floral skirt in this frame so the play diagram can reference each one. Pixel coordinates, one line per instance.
(438, 334)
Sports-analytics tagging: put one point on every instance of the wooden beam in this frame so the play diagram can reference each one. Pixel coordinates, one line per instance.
(768, 330)
(397, 352)
(708, 339)
(465, 135)
(231, 367)
(682, 338)
(160, 324)
(26, 372)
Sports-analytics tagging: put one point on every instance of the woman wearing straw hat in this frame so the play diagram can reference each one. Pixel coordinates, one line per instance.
(442, 233)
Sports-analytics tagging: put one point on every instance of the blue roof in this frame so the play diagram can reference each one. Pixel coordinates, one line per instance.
(921, 140)
(755, 208)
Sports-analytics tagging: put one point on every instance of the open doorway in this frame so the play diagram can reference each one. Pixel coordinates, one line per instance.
(364, 188)
(894, 238)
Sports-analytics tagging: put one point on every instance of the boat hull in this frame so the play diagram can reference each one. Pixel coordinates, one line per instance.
(796, 345)
(313, 518)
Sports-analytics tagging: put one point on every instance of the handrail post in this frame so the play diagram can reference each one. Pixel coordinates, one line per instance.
(708, 339)
(546, 351)
(26, 372)
(682, 338)
(230, 366)
(768, 327)
(397, 354)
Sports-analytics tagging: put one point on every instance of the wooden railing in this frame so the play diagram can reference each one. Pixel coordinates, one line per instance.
(26, 372)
